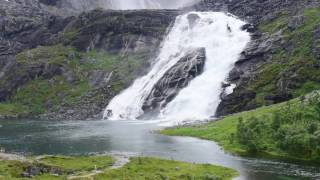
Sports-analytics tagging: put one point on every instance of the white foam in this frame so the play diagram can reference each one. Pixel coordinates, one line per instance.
(221, 35)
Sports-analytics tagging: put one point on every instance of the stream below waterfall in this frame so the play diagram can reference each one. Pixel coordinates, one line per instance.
(39, 137)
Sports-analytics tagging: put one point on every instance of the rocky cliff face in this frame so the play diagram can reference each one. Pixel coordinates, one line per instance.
(274, 66)
(82, 61)
(175, 79)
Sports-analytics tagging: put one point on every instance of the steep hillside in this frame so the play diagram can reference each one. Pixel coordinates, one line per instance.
(70, 67)
(281, 62)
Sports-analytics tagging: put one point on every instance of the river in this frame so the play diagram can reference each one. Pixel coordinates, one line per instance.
(38, 137)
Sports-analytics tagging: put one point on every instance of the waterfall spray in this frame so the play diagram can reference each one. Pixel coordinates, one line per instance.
(221, 36)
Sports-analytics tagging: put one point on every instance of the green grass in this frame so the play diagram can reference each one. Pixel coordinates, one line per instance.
(7, 109)
(79, 163)
(153, 169)
(43, 94)
(297, 66)
(289, 139)
(139, 168)
(275, 25)
(40, 94)
(57, 54)
(12, 170)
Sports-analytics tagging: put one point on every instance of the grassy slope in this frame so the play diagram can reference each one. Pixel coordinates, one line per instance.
(41, 94)
(11, 170)
(296, 64)
(221, 130)
(138, 168)
(151, 168)
(225, 132)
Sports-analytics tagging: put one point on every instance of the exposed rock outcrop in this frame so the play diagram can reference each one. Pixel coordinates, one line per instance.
(316, 43)
(175, 79)
(27, 24)
(250, 72)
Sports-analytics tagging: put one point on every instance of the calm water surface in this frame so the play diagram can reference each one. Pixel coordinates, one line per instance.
(84, 137)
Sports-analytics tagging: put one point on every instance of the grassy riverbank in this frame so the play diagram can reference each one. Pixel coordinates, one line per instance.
(289, 130)
(101, 167)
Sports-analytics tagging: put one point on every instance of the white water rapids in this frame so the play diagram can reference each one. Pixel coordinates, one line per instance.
(223, 40)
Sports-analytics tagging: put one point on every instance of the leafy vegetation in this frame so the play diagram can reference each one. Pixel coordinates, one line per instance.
(296, 68)
(289, 130)
(51, 90)
(84, 167)
(152, 168)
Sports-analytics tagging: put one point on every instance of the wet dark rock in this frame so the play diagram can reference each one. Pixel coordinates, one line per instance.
(278, 98)
(261, 49)
(295, 22)
(175, 79)
(49, 2)
(99, 78)
(38, 169)
(255, 11)
(249, 28)
(27, 24)
(316, 43)
(193, 18)
(236, 102)
(121, 32)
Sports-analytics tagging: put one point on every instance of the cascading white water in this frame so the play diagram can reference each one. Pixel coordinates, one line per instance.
(223, 39)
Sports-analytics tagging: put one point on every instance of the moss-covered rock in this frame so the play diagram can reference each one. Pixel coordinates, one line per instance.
(70, 67)
(61, 82)
(279, 64)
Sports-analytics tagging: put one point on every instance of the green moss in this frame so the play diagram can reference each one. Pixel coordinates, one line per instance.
(80, 163)
(57, 54)
(70, 35)
(40, 94)
(298, 66)
(275, 25)
(152, 168)
(7, 109)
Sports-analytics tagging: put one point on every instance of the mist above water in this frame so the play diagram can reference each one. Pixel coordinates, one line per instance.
(150, 4)
(83, 5)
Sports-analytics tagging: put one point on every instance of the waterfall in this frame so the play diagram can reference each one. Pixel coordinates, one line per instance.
(150, 4)
(221, 36)
(85, 5)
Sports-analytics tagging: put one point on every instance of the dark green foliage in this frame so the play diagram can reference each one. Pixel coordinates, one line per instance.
(294, 128)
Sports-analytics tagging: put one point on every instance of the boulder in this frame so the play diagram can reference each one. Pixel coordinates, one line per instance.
(295, 22)
(175, 79)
